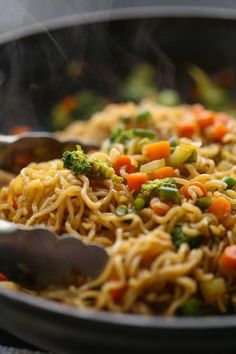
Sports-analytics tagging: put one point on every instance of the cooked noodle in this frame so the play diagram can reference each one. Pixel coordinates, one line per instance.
(146, 272)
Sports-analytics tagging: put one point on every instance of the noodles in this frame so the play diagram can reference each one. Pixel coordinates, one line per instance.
(165, 236)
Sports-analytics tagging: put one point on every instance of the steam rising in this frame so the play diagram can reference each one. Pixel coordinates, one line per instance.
(34, 70)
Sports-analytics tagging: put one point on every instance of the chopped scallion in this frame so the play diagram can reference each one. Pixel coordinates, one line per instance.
(144, 133)
(231, 182)
(143, 117)
(168, 193)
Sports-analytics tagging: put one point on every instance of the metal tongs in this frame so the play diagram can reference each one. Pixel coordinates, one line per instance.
(17, 151)
(36, 258)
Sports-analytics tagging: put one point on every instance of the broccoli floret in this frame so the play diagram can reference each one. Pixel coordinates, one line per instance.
(81, 164)
(152, 188)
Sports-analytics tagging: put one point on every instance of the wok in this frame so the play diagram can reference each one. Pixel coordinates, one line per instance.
(33, 77)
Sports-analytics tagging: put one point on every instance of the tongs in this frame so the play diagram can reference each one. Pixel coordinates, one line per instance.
(35, 257)
(16, 151)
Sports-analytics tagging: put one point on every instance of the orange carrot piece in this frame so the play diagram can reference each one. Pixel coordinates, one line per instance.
(135, 180)
(3, 277)
(218, 131)
(198, 108)
(68, 103)
(185, 188)
(20, 129)
(186, 128)
(205, 119)
(123, 161)
(117, 293)
(159, 207)
(158, 150)
(163, 172)
(220, 207)
(222, 118)
(228, 257)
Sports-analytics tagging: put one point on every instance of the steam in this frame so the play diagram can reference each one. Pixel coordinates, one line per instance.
(33, 70)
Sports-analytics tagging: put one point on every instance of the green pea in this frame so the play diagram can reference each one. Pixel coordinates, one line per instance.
(139, 203)
(121, 210)
(203, 203)
(192, 307)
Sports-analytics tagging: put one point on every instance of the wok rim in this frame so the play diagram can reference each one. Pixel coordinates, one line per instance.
(126, 13)
(115, 319)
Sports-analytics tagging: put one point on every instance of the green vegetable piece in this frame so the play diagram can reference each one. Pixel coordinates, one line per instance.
(229, 181)
(88, 103)
(117, 135)
(178, 238)
(181, 154)
(174, 141)
(80, 164)
(152, 188)
(215, 239)
(211, 95)
(195, 242)
(143, 133)
(121, 210)
(139, 203)
(139, 84)
(193, 157)
(203, 203)
(144, 117)
(125, 119)
(192, 307)
(168, 193)
(168, 97)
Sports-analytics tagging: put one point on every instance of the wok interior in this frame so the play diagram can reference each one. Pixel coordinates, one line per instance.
(34, 72)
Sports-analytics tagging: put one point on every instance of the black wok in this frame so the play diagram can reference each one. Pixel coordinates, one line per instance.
(33, 78)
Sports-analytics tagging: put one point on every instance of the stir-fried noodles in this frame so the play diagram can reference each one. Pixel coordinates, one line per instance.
(160, 196)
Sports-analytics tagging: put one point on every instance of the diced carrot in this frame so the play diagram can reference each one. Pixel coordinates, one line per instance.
(228, 259)
(14, 204)
(125, 162)
(160, 208)
(117, 293)
(185, 188)
(186, 128)
(3, 277)
(158, 150)
(68, 103)
(221, 118)
(20, 129)
(135, 180)
(163, 172)
(205, 119)
(198, 108)
(220, 207)
(218, 131)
